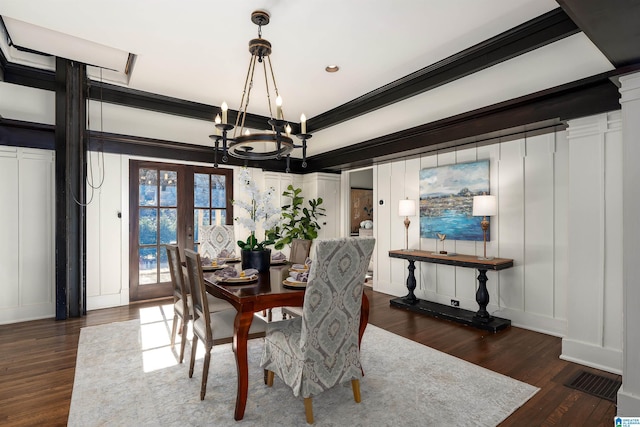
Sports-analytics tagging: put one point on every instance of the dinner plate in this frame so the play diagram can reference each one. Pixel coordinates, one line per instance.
(245, 279)
(294, 284)
(299, 270)
(234, 259)
(278, 261)
(213, 267)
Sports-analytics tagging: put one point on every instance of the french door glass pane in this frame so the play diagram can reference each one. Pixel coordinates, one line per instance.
(201, 190)
(165, 275)
(148, 267)
(168, 188)
(168, 225)
(148, 226)
(218, 191)
(148, 187)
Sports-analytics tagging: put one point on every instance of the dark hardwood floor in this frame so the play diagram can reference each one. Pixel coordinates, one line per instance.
(37, 365)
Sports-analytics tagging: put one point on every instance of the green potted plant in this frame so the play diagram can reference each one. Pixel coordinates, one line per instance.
(260, 207)
(298, 221)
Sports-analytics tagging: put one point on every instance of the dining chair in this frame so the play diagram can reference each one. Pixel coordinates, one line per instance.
(215, 238)
(210, 327)
(299, 253)
(320, 349)
(182, 301)
(300, 249)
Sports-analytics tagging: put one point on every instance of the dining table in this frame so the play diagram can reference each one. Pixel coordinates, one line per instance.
(266, 292)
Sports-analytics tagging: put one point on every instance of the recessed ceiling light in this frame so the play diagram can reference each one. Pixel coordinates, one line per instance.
(331, 68)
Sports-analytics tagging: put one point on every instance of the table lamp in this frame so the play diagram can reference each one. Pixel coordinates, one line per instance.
(484, 206)
(407, 208)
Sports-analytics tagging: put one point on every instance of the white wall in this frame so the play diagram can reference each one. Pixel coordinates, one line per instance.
(27, 207)
(559, 219)
(594, 282)
(629, 394)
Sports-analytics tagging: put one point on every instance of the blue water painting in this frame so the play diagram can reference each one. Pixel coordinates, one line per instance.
(446, 200)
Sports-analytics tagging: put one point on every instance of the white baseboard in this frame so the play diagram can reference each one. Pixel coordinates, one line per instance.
(605, 359)
(106, 301)
(627, 404)
(26, 313)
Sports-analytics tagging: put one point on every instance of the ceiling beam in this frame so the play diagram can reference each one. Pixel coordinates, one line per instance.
(612, 25)
(546, 108)
(545, 29)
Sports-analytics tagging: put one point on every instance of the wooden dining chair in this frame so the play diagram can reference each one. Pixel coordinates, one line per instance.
(300, 249)
(319, 350)
(210, 327)
(182, 301)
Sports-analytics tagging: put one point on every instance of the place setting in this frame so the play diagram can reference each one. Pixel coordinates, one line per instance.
(211, 264)
(296, 280)
(232, 276)
(301, 268)
(278, 258)
(228, 256)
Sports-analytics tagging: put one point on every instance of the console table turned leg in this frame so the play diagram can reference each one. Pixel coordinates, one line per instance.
(482, 298)
(411, 283)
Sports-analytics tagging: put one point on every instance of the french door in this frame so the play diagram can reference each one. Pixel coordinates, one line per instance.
(168, 203)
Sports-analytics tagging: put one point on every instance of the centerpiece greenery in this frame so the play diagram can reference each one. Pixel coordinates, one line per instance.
(299, 222)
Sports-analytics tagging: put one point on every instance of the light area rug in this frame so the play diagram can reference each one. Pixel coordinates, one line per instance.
(127, 375)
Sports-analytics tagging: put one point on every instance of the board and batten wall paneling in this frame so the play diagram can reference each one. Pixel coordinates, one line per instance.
(105, 286)
(628, 398)
(9, 232)
(561, 226)
(26, 194)
(511, 224)
(594, 285)
(538, 226)
(614, 234)
(529, 176)
(382, 229)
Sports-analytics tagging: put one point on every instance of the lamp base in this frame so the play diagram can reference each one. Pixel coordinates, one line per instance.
(486, 257)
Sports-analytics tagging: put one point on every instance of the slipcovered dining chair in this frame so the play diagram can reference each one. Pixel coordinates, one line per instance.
(182, 299)
(319, 350)
(215, 238)
(210, 327)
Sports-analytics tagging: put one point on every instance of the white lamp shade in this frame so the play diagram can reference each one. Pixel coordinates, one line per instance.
(407, 207)
(485, 205)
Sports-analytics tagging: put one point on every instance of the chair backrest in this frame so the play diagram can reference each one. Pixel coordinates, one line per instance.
(180, 289)
(198, 291)
(299, 251)
(333, 298)
(214, 238)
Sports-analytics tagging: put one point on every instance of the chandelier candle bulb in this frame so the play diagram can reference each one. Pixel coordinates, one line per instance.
(217, 121)
(287, 129)
(224, 108)
(279, 108)
(303, 123)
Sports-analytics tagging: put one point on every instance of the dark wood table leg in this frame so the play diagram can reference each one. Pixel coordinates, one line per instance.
(240, 338)
(482, 298)
(364, 317)
(411, 283)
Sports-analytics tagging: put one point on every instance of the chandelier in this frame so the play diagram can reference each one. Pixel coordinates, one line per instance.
(275, 143)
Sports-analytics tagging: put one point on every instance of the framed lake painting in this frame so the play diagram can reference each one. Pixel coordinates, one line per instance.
(446, 200)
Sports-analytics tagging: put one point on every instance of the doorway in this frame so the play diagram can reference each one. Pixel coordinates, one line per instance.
(361, 204)
(169, 203)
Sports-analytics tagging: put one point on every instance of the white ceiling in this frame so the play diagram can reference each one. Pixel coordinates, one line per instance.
(197, 50)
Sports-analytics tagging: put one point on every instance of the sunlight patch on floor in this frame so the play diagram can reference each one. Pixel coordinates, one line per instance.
(155, 339)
